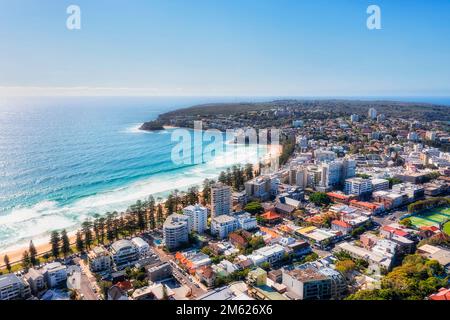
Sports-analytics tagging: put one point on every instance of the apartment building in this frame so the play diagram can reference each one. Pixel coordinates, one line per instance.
(221, 200)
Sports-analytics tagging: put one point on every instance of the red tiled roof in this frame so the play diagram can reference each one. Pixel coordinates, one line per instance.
(337, 195)
(341, 223)
(443, 294)
(398, 232)
(270, 215)
(369, 205)
(431, 228)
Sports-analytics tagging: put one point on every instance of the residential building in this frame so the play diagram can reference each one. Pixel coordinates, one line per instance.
(379, 184)
(142, 246)
(124, 253)
(198, 218)
(13, 288)
(176, 231)
(307, 284)
(245, 220)
(36, 280)
(159, 272)
(223, 225)
(55, 274)
(358, 186)
(221, 200)
(372, 113)
(99, 259)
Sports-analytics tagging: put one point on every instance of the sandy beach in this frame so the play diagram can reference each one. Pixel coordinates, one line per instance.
(15, 255)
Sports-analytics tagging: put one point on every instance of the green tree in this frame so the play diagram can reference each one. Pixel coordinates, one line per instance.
(346, 267)
(320, 199)
(65, 243)
(79, 243)
(33, 254)
(249, 172)
(223, 177)
(159, 215)
(7, 264)
(26, 261)
(86, 228)
(406, 222)
(254, 207)
(54, 242)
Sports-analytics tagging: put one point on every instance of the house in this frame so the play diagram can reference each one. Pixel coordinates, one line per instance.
(342, 226)
(238, 240)
(439, 254)
(116, 293)
(153, 292)
(206, 275)
(284, 208)
(271, 217)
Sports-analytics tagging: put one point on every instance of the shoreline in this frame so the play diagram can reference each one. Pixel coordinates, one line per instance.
(15, 255)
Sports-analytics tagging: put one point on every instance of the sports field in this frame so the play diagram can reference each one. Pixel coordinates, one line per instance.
(447, 228)
(431, 218)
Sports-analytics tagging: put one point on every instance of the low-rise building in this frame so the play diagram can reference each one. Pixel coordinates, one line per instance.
(159, 272)
(358, 186)
(99, 259)
(142, 246)
(307, 284)
(55, 274)
(223, 225)
(124, 253)
(13, 288)
(36, 280)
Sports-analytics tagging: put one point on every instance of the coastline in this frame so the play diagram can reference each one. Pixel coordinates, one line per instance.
(15, 255)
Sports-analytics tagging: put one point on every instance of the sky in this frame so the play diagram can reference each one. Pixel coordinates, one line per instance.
(225, 48)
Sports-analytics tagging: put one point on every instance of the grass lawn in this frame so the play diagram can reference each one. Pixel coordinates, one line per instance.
(447, 228)
(431, 218)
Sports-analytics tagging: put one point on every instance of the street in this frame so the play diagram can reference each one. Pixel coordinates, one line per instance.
(87, 282)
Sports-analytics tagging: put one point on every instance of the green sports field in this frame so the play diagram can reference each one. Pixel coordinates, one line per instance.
(431, 218)
(447, 228)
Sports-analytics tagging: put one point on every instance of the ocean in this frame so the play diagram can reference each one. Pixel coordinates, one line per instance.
(63, 160)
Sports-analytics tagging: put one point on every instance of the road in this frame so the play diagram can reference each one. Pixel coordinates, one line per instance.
(87, 282)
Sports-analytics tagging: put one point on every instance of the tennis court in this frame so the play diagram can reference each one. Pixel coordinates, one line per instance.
(431, 218)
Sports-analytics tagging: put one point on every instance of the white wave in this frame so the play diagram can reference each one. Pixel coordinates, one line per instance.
(134, 129)
(36, 222)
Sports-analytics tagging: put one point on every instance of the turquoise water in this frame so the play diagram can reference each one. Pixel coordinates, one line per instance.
(63, 160)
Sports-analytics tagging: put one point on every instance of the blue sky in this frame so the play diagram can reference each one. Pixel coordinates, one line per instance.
(225, 48)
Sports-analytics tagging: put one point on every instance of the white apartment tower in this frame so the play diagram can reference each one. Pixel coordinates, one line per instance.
(198, 216)
(221, 200)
